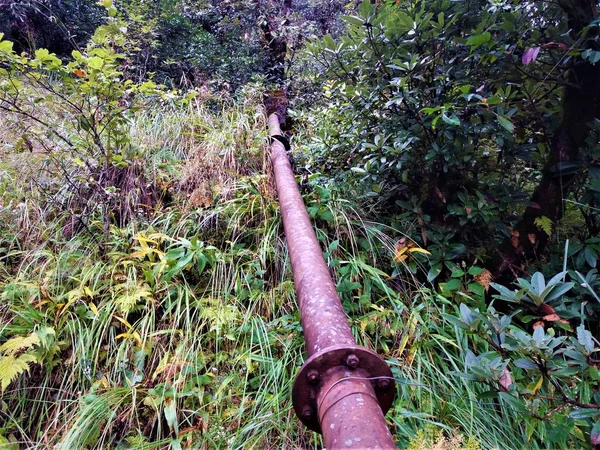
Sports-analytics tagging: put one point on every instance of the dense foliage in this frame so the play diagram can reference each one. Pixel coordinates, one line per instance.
(449, 158)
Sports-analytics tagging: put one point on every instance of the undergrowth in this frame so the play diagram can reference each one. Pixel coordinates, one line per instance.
(180, 329)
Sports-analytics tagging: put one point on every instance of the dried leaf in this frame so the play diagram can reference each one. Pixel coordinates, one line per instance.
(505, 379)
(484, 279)
(514, 238)
(554, 318)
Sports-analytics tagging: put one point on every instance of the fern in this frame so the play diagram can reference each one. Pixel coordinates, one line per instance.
(14, 345)
(544, 224)
(131, 296)
(11, 365)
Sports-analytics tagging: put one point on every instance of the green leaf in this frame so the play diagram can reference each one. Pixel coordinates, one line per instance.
(399, 24)
(494, 100)
(474, 270)
(450, 286)
(585, 338)
(555, 291)
(170, 411)
(544, 224)
(452, 120)
(466, 315)
(6, 46)
(525, 364)
(538, 335)
(353, 20)
(538, 282)
(95, 63)
(326, 214)
(41, 54)
(346, 286)
(506, 123)
(582, 413)
(433, 273)
(366, 8)
(479, 39)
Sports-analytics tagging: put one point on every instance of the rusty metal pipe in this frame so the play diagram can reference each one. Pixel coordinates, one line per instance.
(342, 388)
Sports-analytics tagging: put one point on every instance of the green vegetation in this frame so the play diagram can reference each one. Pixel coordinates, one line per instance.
(449, 158)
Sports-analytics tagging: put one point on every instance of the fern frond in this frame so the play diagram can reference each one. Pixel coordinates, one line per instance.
(11, 367)
(131, 297)
(16, 344)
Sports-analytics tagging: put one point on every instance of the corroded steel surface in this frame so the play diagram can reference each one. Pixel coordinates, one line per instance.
(312, 378)
(340, 388)
(323, 319)
(349, 412)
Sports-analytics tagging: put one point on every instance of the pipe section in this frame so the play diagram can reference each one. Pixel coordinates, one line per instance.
(342, 388)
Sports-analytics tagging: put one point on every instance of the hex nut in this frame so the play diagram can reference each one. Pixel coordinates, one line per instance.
(352, 361)
(313, 376)
(384, 384)
(307, 413)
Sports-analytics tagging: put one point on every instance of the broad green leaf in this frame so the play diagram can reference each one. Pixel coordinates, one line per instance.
(479, 39)
(353, 20)
(538, 282)
(506, 123)
(557, 290)
(525, 364)
(399, 24)
(6, 46)
(95, 63)
(452, 120)
(585, 338)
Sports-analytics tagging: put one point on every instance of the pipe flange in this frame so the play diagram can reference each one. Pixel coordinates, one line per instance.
(309, 380)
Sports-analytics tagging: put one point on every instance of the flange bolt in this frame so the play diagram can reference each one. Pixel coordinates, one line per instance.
(313, 376)
(384, 384)
(352, 361)
(307, 413)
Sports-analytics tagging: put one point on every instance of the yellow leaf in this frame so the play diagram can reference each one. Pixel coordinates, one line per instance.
(400, 258)
(93, 308)
(537, 386)
(418, 250)
(140, 253)
(400, 254)
(135, 336)
(124, 336)
(138, 338)
(124, 322)
(143, 239)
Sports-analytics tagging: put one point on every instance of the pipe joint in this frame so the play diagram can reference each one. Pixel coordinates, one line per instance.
(353, 366)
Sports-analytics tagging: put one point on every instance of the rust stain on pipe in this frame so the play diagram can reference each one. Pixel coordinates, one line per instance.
(323, 319)
(342, 388)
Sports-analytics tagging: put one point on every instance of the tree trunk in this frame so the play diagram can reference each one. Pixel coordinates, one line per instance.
(581, 105)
